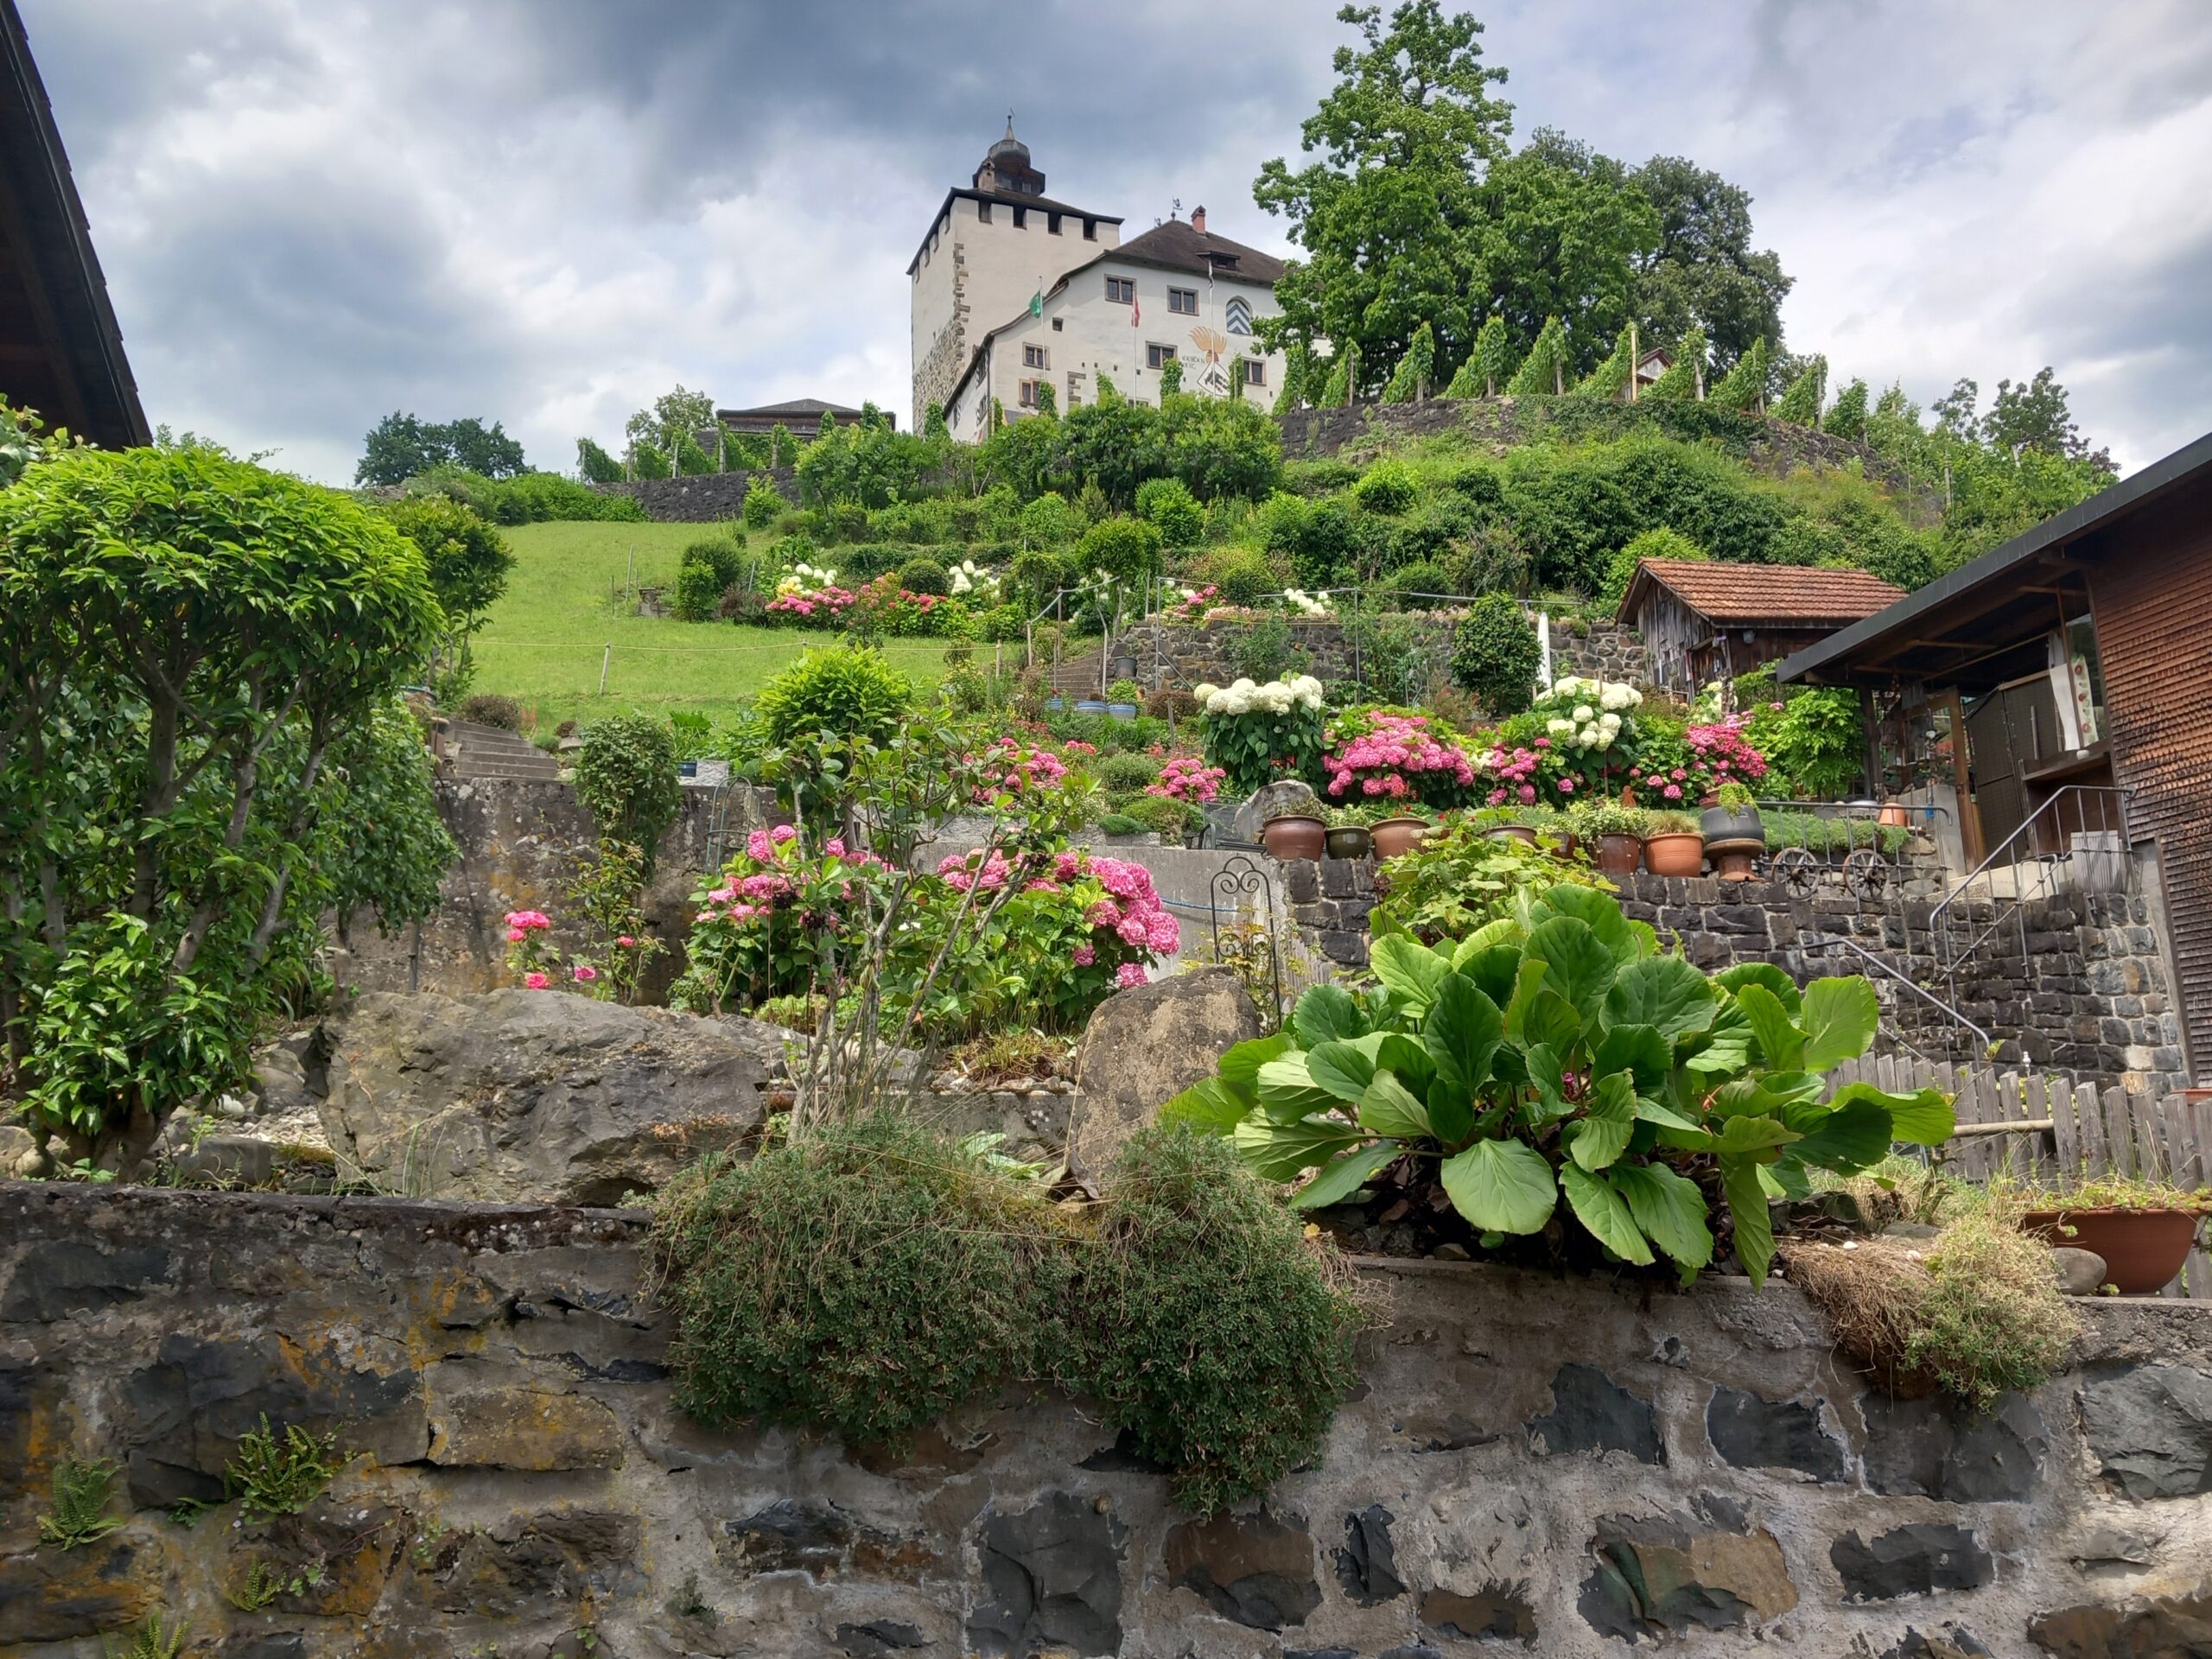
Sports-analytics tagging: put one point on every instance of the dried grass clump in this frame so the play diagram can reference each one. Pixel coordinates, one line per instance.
(1975, 1311)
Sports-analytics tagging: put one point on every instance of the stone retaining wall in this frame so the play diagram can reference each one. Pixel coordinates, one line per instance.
(518, 840)
(1569, 1466)
(1194, 653)
(704, 498)
(2076, 983)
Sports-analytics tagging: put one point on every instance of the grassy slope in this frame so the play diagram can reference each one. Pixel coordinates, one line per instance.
(546, 636)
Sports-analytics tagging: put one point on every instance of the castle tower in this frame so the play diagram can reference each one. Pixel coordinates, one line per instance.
(992, 245)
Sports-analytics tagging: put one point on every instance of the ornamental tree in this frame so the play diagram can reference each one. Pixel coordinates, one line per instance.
(189, 645)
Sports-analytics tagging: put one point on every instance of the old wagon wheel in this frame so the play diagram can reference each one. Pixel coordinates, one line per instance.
(1798, 868)
(1865, 873)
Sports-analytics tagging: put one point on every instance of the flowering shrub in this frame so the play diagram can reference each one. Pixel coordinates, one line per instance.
(967, 577)
(1185, 777)
(1516, 772)
(783, 920)
(1722, 753)
(1256, 734)
(532, 959)
(1027, 768)
(1197, 601)
(1590, 737)
(1380, 755)
(1307, 604)
(884, 607)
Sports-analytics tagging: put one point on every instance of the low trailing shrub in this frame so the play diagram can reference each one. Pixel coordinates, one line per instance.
(871, 1278)
(1976, 1309)
(1164, 815)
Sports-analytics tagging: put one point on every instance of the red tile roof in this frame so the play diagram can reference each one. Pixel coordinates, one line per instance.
(1730, 595)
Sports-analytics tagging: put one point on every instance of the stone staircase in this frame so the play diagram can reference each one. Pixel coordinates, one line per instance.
(472, 750)
(1078, 676)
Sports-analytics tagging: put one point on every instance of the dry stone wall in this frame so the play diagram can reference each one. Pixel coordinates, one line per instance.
(1568, 1466)
(703, 497)
(1195, 653)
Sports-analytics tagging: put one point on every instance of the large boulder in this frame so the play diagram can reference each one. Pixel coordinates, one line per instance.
(536, 1095)
(1146, 1046)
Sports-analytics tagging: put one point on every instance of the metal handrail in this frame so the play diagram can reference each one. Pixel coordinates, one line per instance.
(2070, 791)
(1919, 991)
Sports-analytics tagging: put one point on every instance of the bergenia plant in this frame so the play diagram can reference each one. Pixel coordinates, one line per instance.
(1555, 1067)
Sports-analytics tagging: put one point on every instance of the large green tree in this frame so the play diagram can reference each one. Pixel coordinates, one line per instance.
(1703, 272)
(400, 447)
(1389, 210)
(195, 659)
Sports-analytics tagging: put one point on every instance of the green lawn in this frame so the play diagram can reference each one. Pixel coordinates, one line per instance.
(548, 635)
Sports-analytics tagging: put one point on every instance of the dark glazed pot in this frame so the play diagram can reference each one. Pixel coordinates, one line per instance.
(1294, 837)
(1350, 841)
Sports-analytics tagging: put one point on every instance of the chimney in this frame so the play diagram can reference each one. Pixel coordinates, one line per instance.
(1199, 221)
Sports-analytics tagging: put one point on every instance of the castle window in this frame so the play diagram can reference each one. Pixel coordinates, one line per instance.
(982, 213)
(1240, 316)
(1256, 370)
(1032, 357)
(1183, 301)
(1021, 218)
(1027, 396)
(1091, 230)
(1121, 290)
(1157, 356)
(1056, 325)
(1051, 224)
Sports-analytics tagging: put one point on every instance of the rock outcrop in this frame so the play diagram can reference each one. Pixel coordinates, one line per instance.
(534, 1095)
(1146, 1046)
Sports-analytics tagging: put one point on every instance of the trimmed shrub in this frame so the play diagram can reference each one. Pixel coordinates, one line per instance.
(1164, 817)
(924, 577)
(625, 777)
(489, 708)
(1388, 486)
(846, 690)
(699, 592)
(1494, 655)
(1124, 774)
(1661, 543)
(1127, 549)
(1239, 576)
(1168, 505)
(763, 502)
(1047, 521)
(1406, 585)
(1035, 575)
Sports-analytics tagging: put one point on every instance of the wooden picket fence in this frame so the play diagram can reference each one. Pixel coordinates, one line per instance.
(2062, 1126)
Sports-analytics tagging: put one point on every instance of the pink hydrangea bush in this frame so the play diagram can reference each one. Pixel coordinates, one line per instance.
(1381, 756)
(1187, 778)
(537, 965)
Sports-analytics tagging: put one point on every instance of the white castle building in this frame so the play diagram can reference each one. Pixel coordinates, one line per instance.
(1013, 291)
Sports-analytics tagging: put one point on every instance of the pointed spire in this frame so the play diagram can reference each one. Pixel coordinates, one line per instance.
(1009, 121)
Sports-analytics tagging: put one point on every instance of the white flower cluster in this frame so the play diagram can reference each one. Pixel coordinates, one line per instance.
(967, 578)
(1588, 714)
(1275, 697)
(806, 578)
(1310, 604)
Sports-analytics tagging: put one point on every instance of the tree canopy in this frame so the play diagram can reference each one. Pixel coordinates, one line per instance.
(400, 447)
(1414, 210)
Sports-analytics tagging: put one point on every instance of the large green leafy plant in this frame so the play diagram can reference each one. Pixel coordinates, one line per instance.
(1559, 1070)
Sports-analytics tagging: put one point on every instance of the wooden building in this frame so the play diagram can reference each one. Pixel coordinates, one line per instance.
(801, 417)
(1703, 621)
(61, 351)
(2079, 653)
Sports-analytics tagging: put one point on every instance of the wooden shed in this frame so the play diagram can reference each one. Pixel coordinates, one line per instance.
(1703, 621)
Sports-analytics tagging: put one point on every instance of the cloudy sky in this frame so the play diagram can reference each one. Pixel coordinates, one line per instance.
(544, 211)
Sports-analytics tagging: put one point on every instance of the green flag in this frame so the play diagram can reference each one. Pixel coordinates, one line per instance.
(1037, 302)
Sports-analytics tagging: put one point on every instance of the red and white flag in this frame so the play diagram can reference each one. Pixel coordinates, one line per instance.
(1136, 310)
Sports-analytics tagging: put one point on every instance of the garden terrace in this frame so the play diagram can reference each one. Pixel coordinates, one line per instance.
(1570, 1463)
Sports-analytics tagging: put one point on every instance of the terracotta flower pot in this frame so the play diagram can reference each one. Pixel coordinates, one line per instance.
(1675, 854)
(1565, 844)
(1520, 832)
(1395, 836)
(1892, 813)
(1620, 854)
(1294, 837)
(2142, 1248)
(1350, 841)
(1735, 860)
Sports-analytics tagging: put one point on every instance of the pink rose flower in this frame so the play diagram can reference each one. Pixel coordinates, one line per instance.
(627, 942)
(585, 973)
(536, 981)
